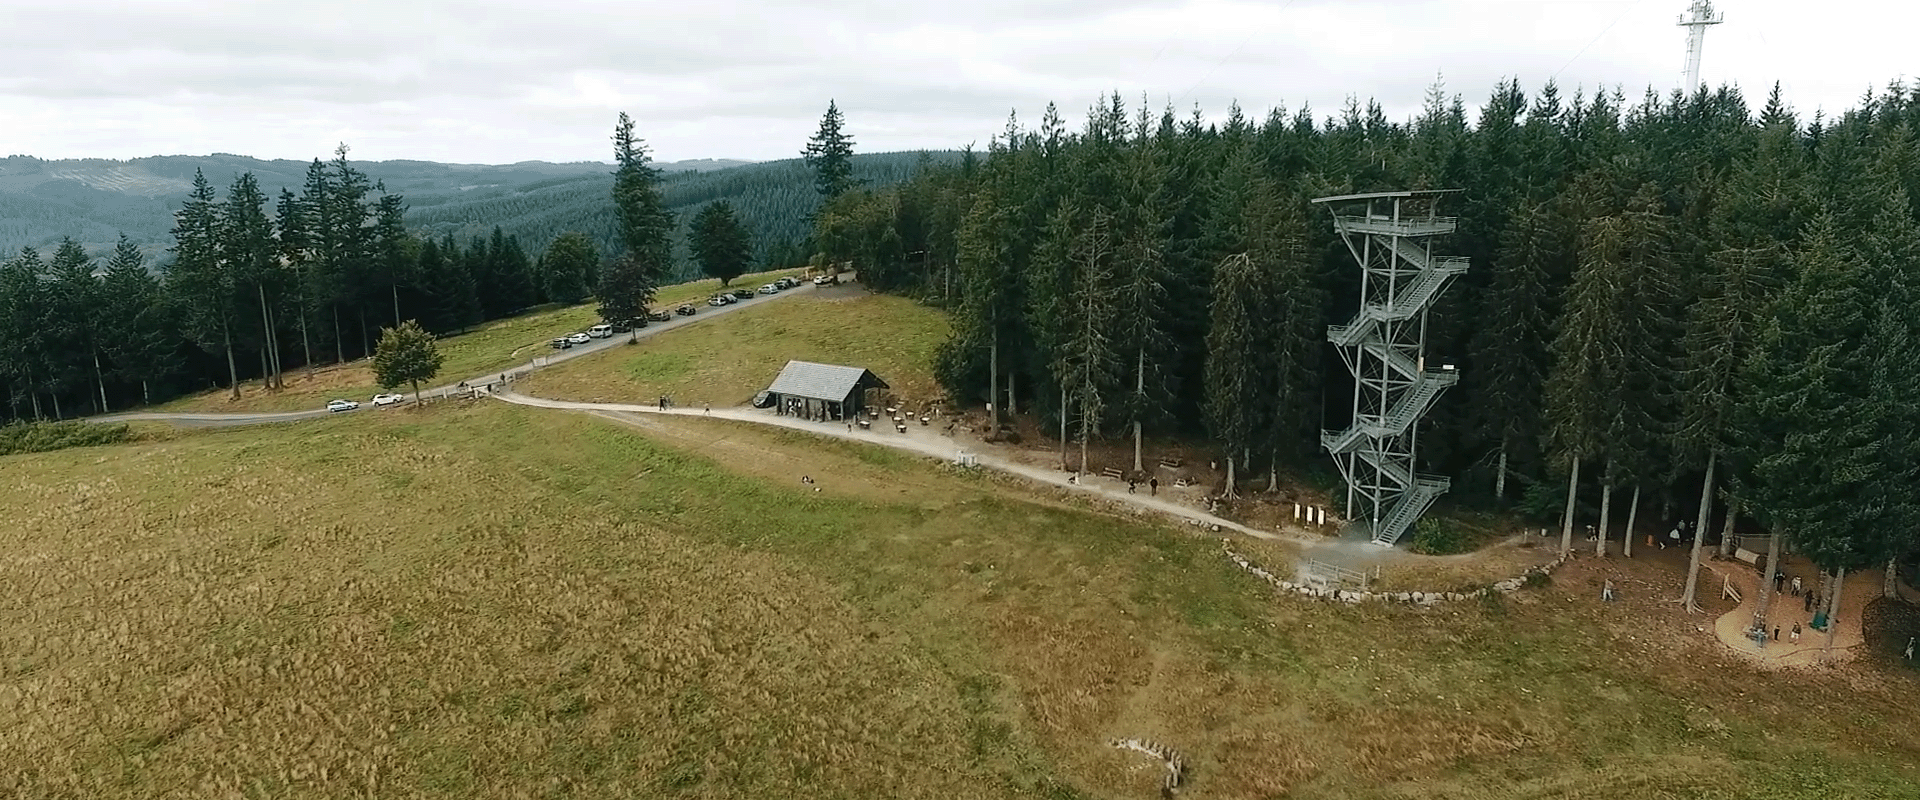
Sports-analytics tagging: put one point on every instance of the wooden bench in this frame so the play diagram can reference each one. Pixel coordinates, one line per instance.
(1113, 473)
(1172, 463)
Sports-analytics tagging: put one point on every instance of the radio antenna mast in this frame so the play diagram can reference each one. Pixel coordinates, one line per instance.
(1703, 15)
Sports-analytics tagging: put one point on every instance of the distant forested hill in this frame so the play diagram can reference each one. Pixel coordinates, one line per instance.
(95, 200)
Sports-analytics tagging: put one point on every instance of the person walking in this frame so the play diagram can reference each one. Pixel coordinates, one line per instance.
(1776, 633)
(1606, 591)
(708, 410)
(1796, 586)
(1132, 485)
(1153, 487)
(1795, 636)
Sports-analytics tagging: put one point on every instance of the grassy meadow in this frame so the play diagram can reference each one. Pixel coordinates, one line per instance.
(492, 347)
(475, 600)
(727, 360)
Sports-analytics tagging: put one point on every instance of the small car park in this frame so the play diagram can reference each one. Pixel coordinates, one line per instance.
(341, 405)
(387, 399)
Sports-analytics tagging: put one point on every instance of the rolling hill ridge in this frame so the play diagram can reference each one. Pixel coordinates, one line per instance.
(95, 200)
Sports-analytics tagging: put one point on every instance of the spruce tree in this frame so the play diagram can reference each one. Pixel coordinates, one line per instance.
(248, 251)
(1510, 349)
(569, 259)
(646, 227)
(202, 280)
(25, 342)
(719, 243)
(1805, 427)
(145, 346)
(75, 321)
(829, 153)
(1087, 353)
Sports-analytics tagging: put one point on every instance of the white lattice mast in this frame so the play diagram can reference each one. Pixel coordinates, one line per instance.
(1703, 15)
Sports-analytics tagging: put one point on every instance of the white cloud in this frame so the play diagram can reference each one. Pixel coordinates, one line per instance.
(493, 81)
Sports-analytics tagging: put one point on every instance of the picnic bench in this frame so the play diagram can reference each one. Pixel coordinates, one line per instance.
(1113, 472)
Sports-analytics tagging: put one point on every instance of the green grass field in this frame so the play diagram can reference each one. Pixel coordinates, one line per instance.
(478, 600)
(726, 361)
(491, 347)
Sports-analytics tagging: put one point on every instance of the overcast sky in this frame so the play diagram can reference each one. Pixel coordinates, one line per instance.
(484, 81)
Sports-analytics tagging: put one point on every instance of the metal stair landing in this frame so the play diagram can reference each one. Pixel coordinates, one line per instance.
(1390, 235)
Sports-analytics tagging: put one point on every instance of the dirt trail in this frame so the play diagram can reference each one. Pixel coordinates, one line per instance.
(931, 442)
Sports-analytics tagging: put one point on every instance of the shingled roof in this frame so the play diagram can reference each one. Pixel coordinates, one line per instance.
(822, 381)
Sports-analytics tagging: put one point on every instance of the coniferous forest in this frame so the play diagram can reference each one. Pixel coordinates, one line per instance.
(1677, 299)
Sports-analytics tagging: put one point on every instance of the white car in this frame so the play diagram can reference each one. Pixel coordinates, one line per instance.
(579, 338)
(825, 280)
(720, 300)
(342, 405)
(769, 289)
(387, 399)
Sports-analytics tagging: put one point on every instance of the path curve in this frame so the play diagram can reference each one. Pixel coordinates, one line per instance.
(922, 441)
(211, 419)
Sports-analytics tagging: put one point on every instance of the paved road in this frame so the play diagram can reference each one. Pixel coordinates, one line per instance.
(546, 357)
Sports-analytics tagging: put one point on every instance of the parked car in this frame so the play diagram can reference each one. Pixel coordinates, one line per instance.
(786, 283)
(660, 316)
(562, 343)
(720, 300)
(623, 326)
(579, 338)
(341, 405)
(601, 331)
(770, 289)
(685, 310)
(763, 400)
(743, 294)
(387, 399)
(826, 280)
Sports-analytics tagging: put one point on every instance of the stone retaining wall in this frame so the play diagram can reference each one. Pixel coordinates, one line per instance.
(1176, 766)
(1416, 598)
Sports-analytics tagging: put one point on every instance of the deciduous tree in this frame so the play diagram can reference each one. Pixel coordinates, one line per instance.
(406, 354)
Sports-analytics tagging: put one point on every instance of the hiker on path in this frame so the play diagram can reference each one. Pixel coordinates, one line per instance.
(1606, 591)
(708, 410)
(1809, 603)
(1796, 586)
(1153, 487)
(1795, 636)
(1132, 485)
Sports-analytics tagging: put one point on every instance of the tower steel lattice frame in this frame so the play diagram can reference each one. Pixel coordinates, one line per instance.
(1703, 15)
(1390, 235)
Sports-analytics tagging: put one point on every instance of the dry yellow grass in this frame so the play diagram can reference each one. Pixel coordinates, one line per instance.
(727, 360)
(489, 601)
